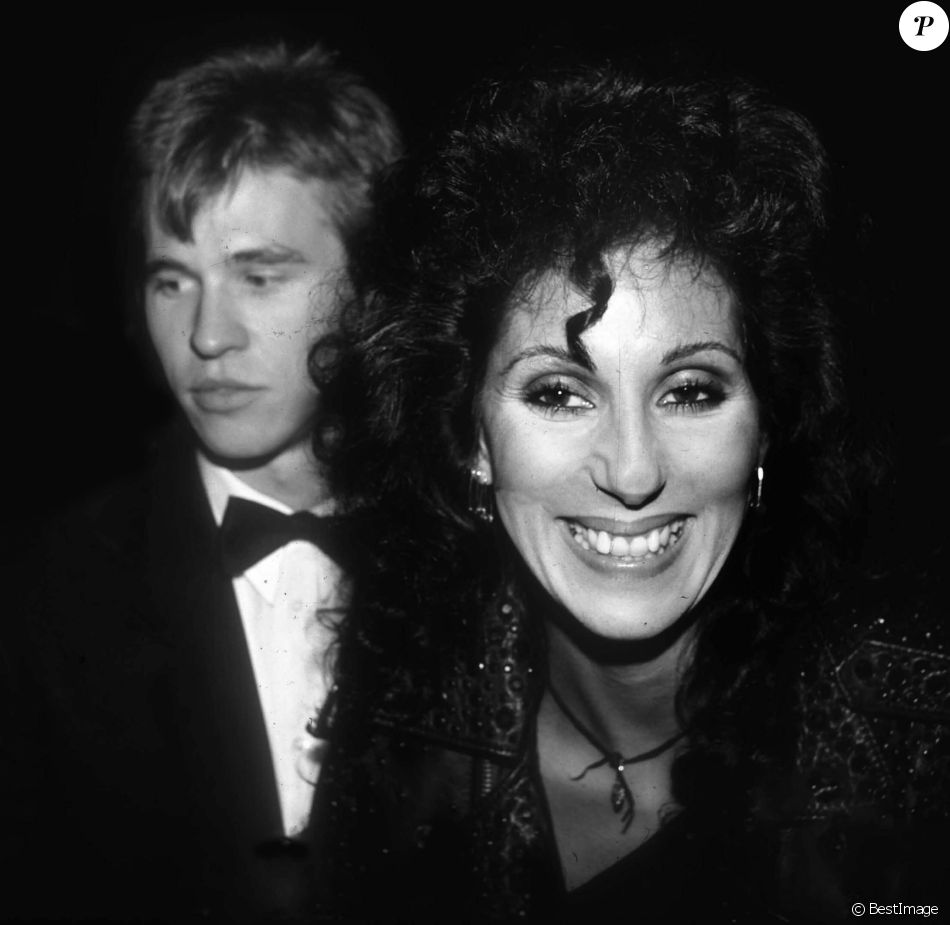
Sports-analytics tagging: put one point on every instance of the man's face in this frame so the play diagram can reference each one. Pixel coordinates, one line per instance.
(233, 313)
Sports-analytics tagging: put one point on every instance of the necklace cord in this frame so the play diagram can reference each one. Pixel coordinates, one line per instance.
(621, 796)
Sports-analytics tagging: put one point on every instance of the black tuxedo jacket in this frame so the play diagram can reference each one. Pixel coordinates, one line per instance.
(136, 776)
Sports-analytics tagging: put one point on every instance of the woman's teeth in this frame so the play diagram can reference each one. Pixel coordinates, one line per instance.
(653, 543)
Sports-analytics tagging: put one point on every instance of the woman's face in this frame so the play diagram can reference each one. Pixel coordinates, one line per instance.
(623, 485)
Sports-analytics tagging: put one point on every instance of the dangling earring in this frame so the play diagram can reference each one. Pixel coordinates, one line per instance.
(480, 497)
(755, 502)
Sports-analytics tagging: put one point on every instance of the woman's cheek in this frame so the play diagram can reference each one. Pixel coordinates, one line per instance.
(531, 458)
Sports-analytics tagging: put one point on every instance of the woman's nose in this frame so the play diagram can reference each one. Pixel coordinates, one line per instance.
(627, 461)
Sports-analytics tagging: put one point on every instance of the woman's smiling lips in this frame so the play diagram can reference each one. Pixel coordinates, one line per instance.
(610, 543)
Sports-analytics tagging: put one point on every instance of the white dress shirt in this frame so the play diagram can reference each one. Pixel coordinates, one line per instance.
(288, 602)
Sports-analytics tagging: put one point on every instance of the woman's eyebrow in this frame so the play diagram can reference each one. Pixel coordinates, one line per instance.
(679, 352)
(541, 350)
(686, 350)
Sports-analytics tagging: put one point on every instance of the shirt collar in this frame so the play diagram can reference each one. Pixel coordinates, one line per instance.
(221, 484)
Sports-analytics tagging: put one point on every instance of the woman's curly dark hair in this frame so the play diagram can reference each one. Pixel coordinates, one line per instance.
(556, 172)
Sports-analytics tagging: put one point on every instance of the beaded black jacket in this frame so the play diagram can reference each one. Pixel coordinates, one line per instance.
(432, 808)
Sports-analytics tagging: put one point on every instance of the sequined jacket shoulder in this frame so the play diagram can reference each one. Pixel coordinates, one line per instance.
(875, 693)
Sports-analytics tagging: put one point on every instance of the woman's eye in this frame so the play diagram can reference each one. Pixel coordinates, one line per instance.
(693, 395)
(557, 397)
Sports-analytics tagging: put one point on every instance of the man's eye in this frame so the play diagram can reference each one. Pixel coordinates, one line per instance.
(168, 286)
(262, 280)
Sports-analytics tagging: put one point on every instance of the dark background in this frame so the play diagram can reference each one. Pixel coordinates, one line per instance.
(81, 402)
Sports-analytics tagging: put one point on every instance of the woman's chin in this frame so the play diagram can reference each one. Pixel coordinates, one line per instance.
(606, 631)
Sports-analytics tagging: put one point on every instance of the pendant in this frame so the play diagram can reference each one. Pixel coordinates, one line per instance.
(618, 795)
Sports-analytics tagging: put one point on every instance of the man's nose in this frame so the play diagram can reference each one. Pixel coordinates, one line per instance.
(627, 462)
(217, 326)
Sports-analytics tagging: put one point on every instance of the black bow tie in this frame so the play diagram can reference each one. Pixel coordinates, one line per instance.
(252, 531)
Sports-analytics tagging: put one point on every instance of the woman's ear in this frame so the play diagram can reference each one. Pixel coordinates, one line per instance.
(482, 461)
(763, 448)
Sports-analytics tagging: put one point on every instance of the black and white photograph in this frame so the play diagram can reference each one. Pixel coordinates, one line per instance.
(476, 465)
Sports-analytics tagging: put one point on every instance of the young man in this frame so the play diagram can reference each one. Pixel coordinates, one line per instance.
(176, 650)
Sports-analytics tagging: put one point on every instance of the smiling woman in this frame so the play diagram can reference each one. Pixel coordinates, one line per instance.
(622, 476)
(591, 416)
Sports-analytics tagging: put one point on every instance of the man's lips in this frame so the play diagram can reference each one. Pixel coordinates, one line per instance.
(223, 385)
(223, 395)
